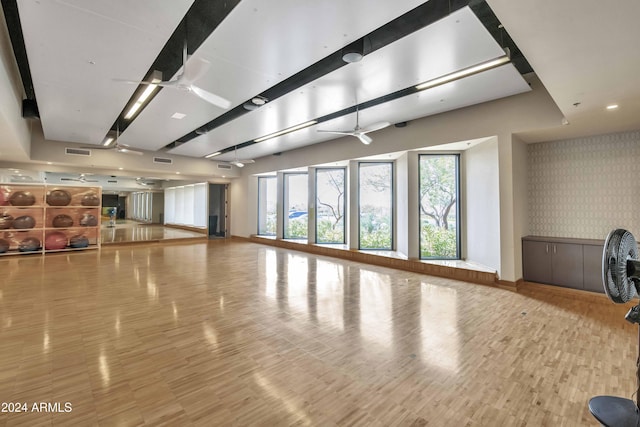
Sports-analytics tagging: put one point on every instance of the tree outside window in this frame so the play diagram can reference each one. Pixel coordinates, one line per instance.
(438, 206)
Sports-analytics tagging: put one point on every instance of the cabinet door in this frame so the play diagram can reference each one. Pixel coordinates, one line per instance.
(536, 258)
(593, 268)
(567, 265)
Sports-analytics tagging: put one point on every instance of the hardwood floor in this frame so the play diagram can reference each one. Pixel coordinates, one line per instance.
(235, 333)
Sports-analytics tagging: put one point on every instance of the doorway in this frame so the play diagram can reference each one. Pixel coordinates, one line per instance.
(218, 214)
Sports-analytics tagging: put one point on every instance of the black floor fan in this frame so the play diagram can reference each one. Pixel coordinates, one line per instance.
(621, 279)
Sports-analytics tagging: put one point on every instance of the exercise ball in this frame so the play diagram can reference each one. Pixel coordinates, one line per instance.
(55, 240)
(58, 198)
(90, 199)
(5, 221)
(88, 220)
(4, 246)
(30, 244)
(62, 221)
(22, 198)
(24, 222)
(79, 241)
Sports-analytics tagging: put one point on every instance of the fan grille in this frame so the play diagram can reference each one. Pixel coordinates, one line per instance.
(620, 247)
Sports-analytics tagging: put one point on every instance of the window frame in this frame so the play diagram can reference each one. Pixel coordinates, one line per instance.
(456, 156)
(285, 207)
(275, 178)
(392, 205)
(344, 205)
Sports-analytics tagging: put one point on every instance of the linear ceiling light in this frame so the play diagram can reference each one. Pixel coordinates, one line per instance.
(107, 141)
(217, 153)
(142, 98)
(287, 130)
(456, 75)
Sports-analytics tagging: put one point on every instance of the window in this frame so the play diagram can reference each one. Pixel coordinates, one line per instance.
(267, 205)
(439, 213)
(330, 205)
(296, 192)
(375, 197)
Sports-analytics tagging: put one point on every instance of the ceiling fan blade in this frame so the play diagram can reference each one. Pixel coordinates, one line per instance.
(97, 147)
(366, 140)
(246, 161)
(376, 126)
(195, 69)
(211, 98)
(129, 151)
(337, 132)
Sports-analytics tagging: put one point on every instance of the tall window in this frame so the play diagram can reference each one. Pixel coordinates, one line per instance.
(296, 192)
(439, 213)
(267, 205)
(375, 197)
(330, 205)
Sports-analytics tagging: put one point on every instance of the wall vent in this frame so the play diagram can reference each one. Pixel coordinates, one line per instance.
(223, 166)
(77, 151)
(163, 160)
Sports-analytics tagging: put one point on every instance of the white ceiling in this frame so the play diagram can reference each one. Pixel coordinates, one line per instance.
(583, 51)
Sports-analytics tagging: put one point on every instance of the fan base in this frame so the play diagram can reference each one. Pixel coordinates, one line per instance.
(613, 411)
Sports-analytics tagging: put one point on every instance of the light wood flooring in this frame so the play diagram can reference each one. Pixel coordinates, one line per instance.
(236, 333)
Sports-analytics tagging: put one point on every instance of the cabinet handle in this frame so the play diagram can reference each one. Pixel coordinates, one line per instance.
(554, 248)
(547, 248)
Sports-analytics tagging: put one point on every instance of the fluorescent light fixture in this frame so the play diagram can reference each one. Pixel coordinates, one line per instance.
(142, 98)
(107, 141)
(217, 153)
(456, 75)
(287, 130)
(134, 108)
(612, 106)
(178, 116)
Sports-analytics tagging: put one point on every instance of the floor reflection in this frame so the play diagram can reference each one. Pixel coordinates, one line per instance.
(133, 231)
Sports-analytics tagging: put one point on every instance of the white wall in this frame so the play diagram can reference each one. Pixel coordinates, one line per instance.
(482, 204)
(15, 135)
(585, 187)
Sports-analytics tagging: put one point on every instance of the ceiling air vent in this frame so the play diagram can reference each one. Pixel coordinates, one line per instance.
(163, 160)
(77, 151)
(112, 181)
(223, 166)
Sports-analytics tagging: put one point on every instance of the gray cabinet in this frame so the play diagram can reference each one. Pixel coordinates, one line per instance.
(572, 263)
(593, 267)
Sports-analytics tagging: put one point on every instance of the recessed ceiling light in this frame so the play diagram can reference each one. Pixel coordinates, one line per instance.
(178, 116)
(49, 163)
(120, 168)
(612, 106)
(177, 173)
(259, 100)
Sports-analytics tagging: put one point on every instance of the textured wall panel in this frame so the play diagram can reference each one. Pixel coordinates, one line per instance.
(584, 187)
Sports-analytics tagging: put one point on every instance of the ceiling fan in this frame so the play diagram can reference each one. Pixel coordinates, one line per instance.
(239, 163)
(111, 143)
(190, 72)
(81, 178)
(358, 132)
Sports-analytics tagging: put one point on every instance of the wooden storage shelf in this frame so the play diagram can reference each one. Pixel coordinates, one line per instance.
(77, 209)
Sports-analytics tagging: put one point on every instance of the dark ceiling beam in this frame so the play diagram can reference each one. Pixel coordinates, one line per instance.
(12, 18)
